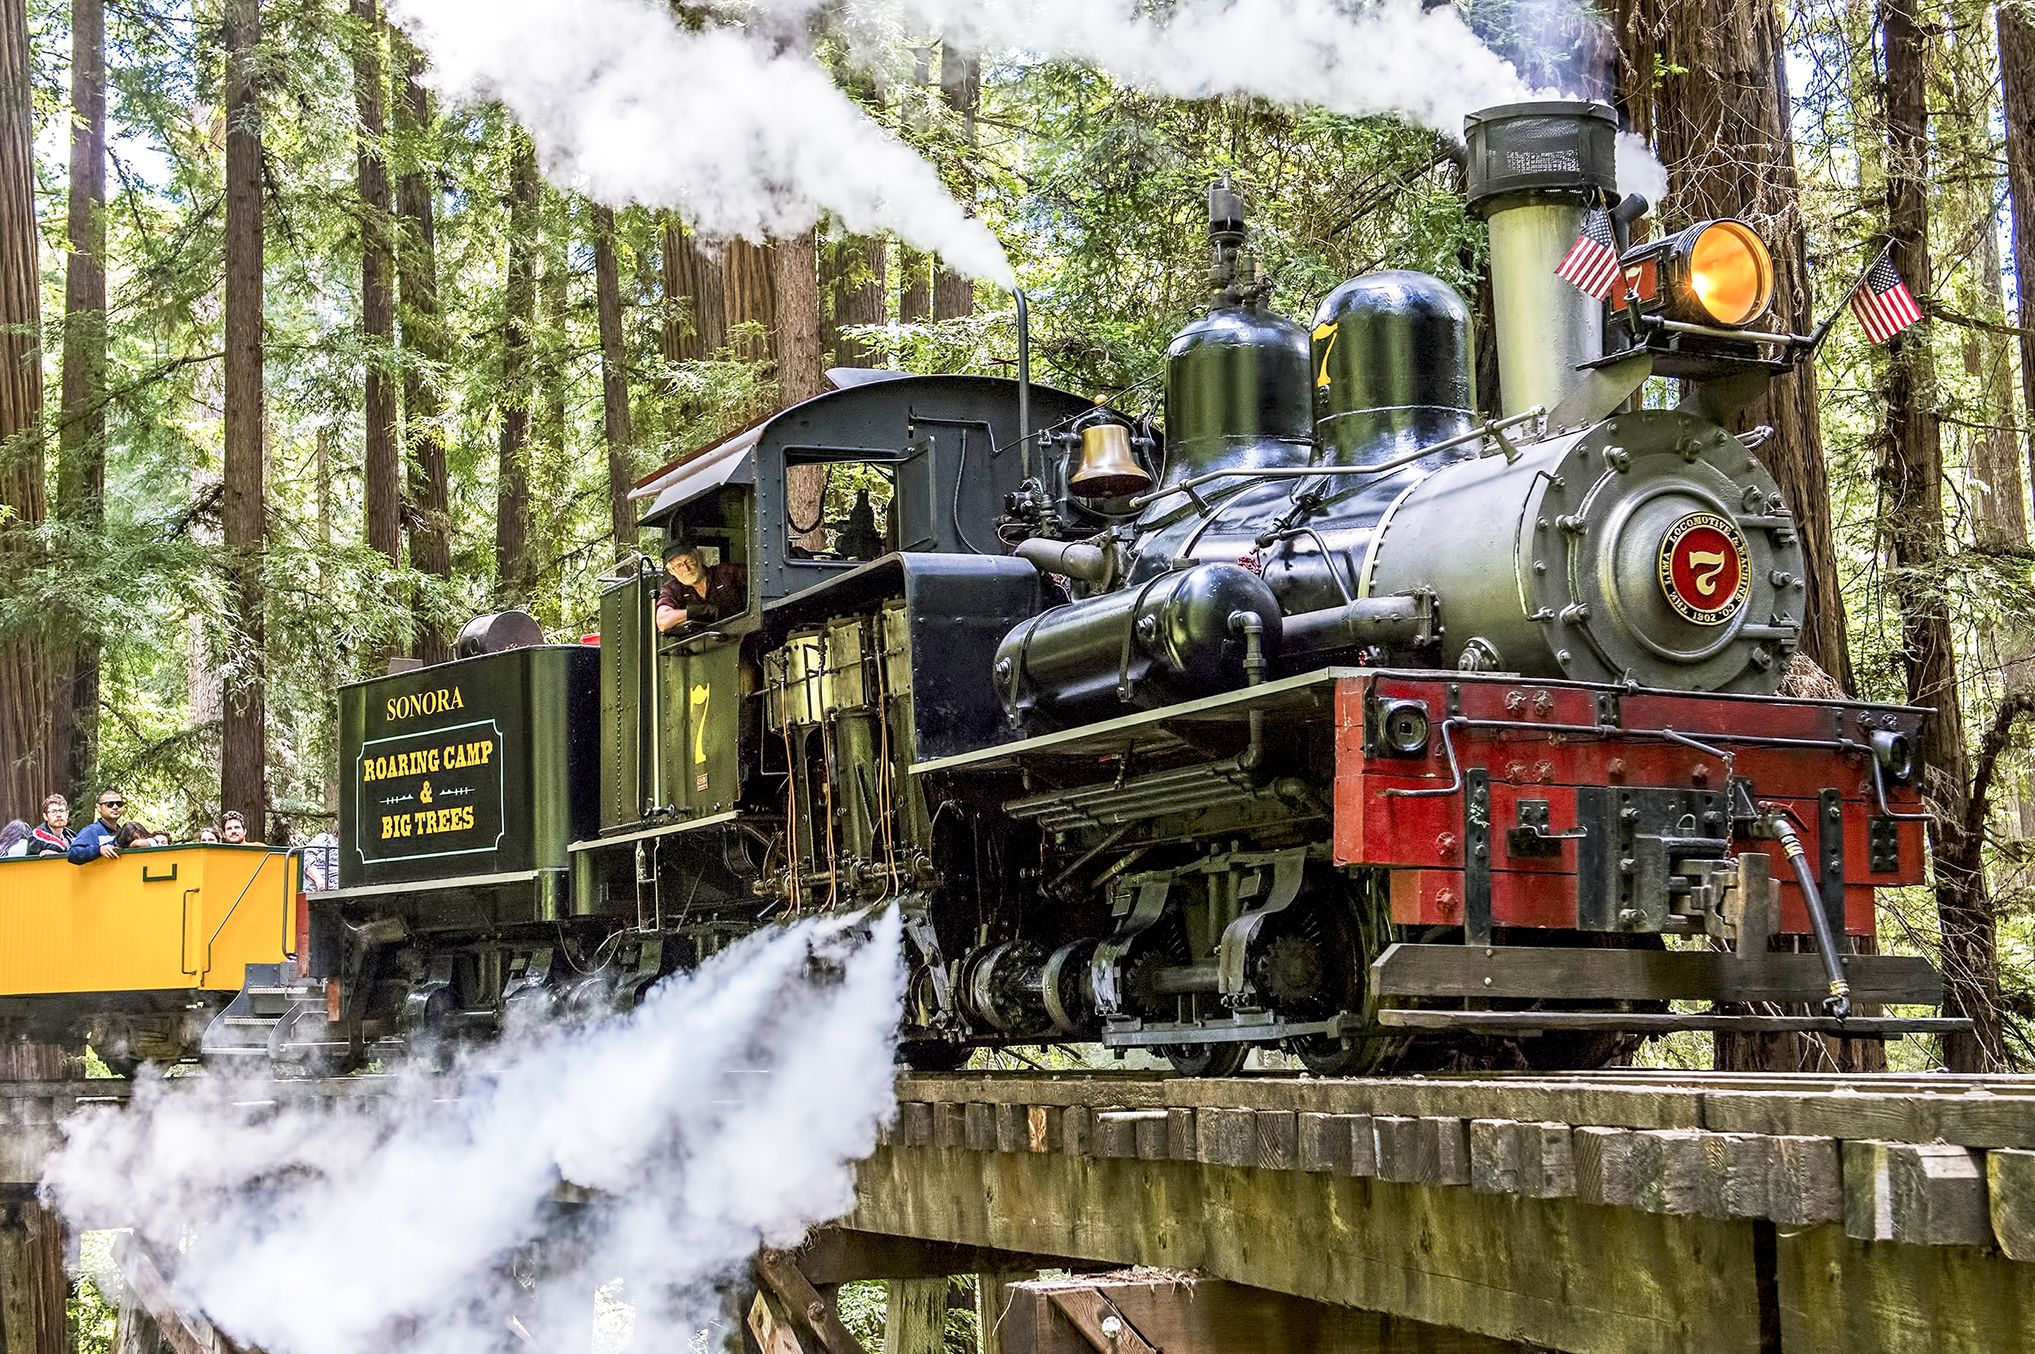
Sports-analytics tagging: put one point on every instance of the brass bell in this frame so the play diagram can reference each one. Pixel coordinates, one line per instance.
(1107, 468)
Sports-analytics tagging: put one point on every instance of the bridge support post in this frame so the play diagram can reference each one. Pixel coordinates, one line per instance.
(992, 1300)
(34, 1289)
(33, 1286)
(915, 1316)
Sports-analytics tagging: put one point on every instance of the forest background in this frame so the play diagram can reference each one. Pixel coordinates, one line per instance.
(299, 369)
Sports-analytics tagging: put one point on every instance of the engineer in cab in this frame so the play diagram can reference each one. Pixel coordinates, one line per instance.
(697, 593)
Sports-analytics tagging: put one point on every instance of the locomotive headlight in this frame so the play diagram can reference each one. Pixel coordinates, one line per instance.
(1718, 272)
(1403, 728)
(1895, 752)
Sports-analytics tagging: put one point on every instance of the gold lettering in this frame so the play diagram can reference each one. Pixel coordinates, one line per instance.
(442, 701)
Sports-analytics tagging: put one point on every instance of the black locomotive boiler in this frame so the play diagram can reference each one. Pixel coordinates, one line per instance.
(1328, 714)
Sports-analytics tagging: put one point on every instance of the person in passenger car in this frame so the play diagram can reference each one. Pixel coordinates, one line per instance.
(14, 838)
(233, 829)
(52, 836)
(695, 592)
(134, 834)
(208, 835)
(99, 838)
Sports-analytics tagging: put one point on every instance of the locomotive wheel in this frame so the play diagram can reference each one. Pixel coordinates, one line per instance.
(1207, 1060)
(1313, 969)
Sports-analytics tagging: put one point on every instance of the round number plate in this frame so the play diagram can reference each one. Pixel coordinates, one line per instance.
(1703, 568)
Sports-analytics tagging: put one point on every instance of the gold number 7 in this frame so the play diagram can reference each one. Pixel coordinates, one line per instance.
(698, 698)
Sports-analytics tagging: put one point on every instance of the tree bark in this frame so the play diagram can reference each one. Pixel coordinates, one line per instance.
(2017, 80)
(857, 294)
(513, 572)
(914, 266)
(695, 317)
(81, 439)
(614, 382)
(749, 300)
(795, 282)
(424, 344)
(381, 463)
(961, 91)
(1911, 476)
(25, 759)
(1720, 123)
(243, 762)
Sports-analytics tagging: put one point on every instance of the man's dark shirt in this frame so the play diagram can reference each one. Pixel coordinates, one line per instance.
(727, 594)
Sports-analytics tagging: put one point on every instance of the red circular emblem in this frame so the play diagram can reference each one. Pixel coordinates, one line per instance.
(1703, 568)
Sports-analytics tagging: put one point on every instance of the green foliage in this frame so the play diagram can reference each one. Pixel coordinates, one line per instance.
(1095, 187)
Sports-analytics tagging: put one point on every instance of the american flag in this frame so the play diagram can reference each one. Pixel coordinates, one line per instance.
(1591, 265)
(1882, 302)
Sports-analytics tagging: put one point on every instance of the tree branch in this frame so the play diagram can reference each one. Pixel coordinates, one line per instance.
(1994, 743)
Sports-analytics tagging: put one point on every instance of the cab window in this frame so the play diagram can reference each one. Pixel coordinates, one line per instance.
(839, 511)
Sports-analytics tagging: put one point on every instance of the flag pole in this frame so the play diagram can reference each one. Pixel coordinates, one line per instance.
(1823, 329)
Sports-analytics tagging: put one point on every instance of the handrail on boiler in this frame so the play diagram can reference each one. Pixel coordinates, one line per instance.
(1301, 472)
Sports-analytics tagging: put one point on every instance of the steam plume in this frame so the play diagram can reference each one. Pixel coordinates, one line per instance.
(627, 106)
(722, 1114)
(748, 139)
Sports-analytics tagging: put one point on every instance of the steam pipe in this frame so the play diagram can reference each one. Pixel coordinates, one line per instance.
(1024, 323)
(1399, 619)
(1088, 561)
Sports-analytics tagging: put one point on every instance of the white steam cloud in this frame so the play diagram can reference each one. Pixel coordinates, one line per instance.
(748, 139)
(627, 106)
(724, 1113)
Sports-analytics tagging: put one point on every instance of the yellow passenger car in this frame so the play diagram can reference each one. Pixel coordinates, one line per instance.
(137, 955)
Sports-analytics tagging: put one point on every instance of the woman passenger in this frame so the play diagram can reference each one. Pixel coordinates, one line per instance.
(14, 839)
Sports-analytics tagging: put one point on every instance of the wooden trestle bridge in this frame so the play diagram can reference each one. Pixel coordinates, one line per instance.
(1623, 1212)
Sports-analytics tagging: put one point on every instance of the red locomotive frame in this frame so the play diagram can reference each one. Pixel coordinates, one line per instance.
(1554, 744)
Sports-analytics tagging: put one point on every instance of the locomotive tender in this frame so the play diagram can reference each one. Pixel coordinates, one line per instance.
(1330, 716)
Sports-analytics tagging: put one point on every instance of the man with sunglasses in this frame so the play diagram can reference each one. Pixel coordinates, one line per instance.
(97, 838)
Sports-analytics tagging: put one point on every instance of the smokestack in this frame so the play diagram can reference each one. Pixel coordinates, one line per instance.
(1534, 170)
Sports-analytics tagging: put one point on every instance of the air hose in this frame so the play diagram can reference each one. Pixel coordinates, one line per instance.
(1838, 1003)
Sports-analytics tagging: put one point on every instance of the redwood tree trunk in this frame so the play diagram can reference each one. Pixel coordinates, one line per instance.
(2017, 79)
(915, 267)
(513, 568)
(614, 381)
(81, 440)
(423, 337)
(695, 318)
(382, 466)
(749, 298)
(961, 89)
(243, 762)
(857, 291)
(1720, 122)
(796, 284)
(1911, 476)
(796, 279)
(25, 759)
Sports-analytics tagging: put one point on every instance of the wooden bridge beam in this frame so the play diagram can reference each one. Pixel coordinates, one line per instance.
(1554, 1272)
(1182, 1314)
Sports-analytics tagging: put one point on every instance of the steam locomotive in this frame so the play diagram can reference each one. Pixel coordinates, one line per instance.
(1328, 715)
